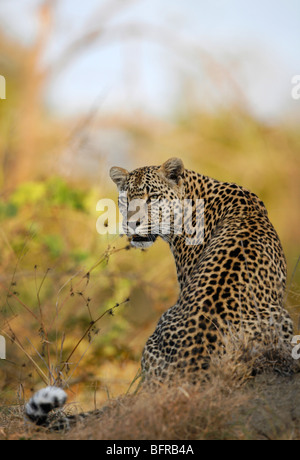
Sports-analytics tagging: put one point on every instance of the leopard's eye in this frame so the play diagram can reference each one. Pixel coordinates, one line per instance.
(153, 198)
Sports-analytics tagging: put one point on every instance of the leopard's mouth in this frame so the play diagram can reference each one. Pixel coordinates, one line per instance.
(143, 242)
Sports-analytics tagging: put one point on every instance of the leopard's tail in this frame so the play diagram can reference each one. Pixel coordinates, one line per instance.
(42, 403)
(39, 410)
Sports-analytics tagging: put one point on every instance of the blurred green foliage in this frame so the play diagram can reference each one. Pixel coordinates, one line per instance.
(53, 192)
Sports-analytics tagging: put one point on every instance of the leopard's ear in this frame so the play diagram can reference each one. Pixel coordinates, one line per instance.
(173, 169)
(119, 176)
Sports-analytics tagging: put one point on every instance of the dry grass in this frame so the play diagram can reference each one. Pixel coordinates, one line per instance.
(230, 404)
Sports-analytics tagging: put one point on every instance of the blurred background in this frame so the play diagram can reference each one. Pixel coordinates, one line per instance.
(130, 83)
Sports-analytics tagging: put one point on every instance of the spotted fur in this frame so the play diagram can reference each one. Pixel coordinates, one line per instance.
(232, 282)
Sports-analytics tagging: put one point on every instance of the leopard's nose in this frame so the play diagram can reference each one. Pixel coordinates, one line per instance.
(133, 225)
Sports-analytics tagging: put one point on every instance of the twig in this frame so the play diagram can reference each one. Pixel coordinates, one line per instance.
(38, 369)
(19, 300)
(70, 376)
(42, 322)
(91, 325)
(86, 277)
(41, 357)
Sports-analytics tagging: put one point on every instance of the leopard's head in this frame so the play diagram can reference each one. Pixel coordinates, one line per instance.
(148, 198)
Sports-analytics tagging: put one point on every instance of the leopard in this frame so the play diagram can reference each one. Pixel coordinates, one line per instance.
(230, 265)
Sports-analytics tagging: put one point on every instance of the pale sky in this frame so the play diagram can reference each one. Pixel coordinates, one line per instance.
(255, 42)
